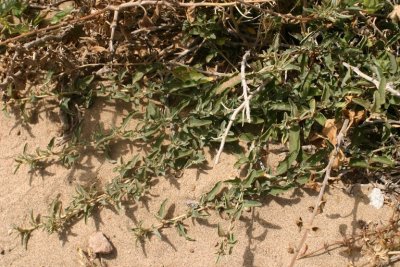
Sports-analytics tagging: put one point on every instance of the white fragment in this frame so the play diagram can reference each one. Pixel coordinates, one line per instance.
(376, 198)
(98, 243)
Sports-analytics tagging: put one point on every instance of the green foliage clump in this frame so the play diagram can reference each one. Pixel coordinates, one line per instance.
(185, 84)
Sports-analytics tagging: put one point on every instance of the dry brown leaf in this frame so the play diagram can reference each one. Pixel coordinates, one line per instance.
(348, 98)
(191, 14)
(230, 83)
(360, 116)
(98, 49)
(330, 131)
(355, 117)
(317, 140)
(156, 14)
(340, 158)
(395, 14)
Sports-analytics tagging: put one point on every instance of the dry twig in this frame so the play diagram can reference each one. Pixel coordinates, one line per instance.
(118, 8)
(232, 119)
(389, 86)
(244, 85)
(113, 26)
(328, 168)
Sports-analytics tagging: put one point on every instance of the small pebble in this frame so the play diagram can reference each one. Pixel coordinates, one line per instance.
(98, 243)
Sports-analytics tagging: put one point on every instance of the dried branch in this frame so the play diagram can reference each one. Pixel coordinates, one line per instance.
(328, 168)
(55, 27)
(389, 86)
(46, 38)
(128, 5)
(232, 119)
(244, 85)
(113, 26)
(10, 74)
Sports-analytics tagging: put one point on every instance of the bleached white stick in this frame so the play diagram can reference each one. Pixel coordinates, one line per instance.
(232, 119)
(244, 85)
(389, 86)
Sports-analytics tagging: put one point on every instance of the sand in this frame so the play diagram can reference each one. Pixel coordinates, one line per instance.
(265, 235)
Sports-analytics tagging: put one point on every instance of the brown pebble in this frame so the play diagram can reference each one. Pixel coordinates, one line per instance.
(191, 250)
(98, 243)
(2, 251)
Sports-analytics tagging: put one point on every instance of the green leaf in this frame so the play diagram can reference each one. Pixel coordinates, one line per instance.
(161, 212)
(274, 191)
(320, 118)
(280, 106)
(382, 159)
(241, 161)
(251, 203)
(246, 183)
(137, 76)
(182, 231)
(294, 149)
(372, 6)
(194, 123)
(127, 119)
(211, 195)
(83, 83)
(189, 74)
(64, 105)
(151, 111)
(247, 137)
(358, 163)
(157, 233)
(184, 153)
(221, 232)
(60, 15)
(50, 145)
(362, 102)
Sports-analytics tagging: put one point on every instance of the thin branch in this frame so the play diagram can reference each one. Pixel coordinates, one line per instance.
(285, 17)
(113, 26)
(153, 28)
(48, 38)
(332, 158)
(232, 119)
(65, 23)
(10, 75)
(372, 24)
(128, 5)
(244, 85)
(389, 86)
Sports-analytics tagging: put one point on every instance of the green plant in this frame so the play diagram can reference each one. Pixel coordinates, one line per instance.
(296, 77)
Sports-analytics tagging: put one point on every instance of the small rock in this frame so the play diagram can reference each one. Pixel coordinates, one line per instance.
(2, 251)
(98, 243)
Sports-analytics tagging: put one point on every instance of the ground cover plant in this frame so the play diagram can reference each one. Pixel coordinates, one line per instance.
(319, 77)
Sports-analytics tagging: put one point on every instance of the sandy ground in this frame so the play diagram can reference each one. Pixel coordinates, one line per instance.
(265, 234)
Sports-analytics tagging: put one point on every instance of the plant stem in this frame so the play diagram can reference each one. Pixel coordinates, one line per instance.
(328, 168)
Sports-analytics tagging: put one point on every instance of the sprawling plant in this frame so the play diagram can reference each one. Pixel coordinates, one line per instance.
(231, 76)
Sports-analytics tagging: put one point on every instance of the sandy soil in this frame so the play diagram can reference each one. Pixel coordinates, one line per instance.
(264, 234)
